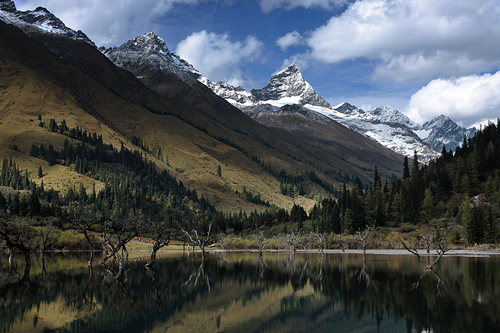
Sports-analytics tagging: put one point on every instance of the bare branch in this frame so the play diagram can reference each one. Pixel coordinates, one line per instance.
(200, 241)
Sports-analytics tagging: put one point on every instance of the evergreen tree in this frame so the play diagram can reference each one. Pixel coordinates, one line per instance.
(406, 168)
(466, 218)
(491, 232)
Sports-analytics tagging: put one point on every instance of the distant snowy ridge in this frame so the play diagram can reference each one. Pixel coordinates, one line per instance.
(38, 20)
(383, 124)
(234, 95)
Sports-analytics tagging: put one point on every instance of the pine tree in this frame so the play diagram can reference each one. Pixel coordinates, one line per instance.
(491, 232)
(406, 168)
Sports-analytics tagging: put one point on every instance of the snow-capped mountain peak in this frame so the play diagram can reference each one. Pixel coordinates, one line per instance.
(149, 51)
(289, 83)
(38, 20)
(444, 131)
(148, 42)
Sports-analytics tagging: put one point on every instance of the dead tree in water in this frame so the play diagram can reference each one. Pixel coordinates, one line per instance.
(44, 233)
(161, 238)
(262, 242)
(363, 236)
(83, 222)
(18, 234)
(340, 240)
(199, 240)
(442, 248)
(117, 233)
(320, 240)
(304, 241)
(292, 240)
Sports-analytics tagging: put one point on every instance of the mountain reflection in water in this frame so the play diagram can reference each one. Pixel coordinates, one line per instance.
(248, 293)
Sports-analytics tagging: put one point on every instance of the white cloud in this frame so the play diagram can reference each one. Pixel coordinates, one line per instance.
(468, 100)
(106, 22)
(290, 39)
(414, 39)
(302, 61)
(217, 57)
(269, 5)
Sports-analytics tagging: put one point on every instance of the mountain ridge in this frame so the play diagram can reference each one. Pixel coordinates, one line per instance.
(40, 20)
(383, 124)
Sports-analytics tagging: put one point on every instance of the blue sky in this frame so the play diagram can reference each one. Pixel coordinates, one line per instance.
(422, 57)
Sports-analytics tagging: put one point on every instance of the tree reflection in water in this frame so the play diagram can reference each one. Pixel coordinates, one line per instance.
(253, 293)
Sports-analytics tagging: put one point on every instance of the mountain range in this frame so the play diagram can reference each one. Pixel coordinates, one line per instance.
(385, 125)
(141, 90)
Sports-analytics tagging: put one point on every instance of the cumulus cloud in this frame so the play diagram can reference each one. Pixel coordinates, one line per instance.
(302, 61)
(468, 100)
(106, 22)
(290, 39)
(217, 57)
(270, 5)
(413, 39)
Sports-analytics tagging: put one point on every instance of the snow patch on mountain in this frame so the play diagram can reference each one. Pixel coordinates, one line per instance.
(234, 95)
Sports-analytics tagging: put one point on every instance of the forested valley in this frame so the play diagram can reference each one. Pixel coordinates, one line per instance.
(460, 188)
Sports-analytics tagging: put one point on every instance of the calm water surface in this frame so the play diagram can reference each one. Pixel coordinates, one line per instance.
(246, 293)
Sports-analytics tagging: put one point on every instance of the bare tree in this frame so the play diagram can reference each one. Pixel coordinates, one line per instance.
(83, 222)
(363, 236)
(18, 234)
(304, 241)
(161, 238)
(199, 240)
(117, 233)
(292, 240)
(442, 248)
(340, 240)
(320, 240)
(262, 242)
(430, 239)
(45, 235)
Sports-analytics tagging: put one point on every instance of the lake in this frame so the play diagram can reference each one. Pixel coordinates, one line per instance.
(242, 292)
